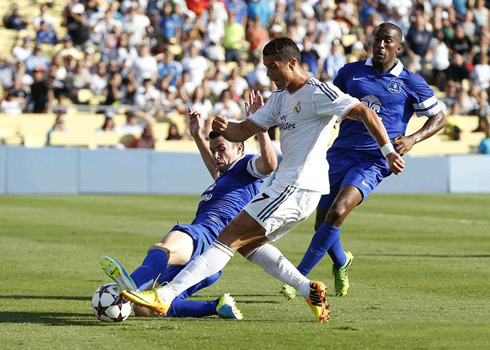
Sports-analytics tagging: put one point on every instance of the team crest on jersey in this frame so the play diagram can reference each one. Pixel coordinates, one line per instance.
(297, 108)
(372, 102)
(395, 86)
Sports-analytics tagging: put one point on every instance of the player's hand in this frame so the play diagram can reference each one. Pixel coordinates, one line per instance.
(196, 124)
(256, 102)
(395, 163)
(404, 144)
(220, 124)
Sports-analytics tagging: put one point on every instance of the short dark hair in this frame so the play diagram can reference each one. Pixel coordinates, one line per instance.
(392, 26)
(214, 134)
(284, 48)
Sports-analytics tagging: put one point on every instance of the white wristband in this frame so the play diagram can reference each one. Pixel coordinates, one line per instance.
(387, 149)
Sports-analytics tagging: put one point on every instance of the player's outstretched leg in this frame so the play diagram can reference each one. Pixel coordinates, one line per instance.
(116, 271)
(341, 275)
(149, 299)
(317, 300)
(227, 308)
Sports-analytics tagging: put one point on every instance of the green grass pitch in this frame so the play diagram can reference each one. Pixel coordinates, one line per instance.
(420, 278)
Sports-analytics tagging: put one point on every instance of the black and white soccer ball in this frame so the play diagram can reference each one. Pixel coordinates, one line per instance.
(109, 305)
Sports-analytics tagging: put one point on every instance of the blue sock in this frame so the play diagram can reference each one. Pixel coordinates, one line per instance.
(322, 241)
(154, 264)
(337, 254)
(192, 308)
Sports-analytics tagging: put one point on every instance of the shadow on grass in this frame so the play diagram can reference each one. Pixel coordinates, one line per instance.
(429, 255)
(49, 318)
(46, 297)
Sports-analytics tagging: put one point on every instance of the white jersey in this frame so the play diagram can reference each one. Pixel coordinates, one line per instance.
(305, 119)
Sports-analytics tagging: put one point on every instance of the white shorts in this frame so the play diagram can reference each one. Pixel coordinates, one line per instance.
(281, 208)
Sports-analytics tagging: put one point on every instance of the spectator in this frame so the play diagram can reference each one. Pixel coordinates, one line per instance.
(218, 84)
(484, 146)
(170, 24)
(334, 62)
(170, 69)
(145, 66)
(439, 58)
(58, 126)
(43, 16)
(99, 79)
(173, 133)
(11, 105)
(227, 107)
(233, 39)
(109, 124)
(462, 44)
(256, 35)
(132, 126)
(14, 20)
(68, 48)
(146, 140)
(46, 34)
(147, 96)
(41, 93)
(481, 73)
(481, 14)
(21, 53)
(195, 64)
(200, 103)
(37, 60)
(309, 55)
(75, 24)
(239, 8)
(113, 90)
(418, 41)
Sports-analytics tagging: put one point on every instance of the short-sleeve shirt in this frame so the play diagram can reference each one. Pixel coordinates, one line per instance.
(305, 119)
(394, 95)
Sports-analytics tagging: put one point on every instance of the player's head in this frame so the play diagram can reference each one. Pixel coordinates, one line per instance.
(282, 59)
(387, 43)
(224, 152)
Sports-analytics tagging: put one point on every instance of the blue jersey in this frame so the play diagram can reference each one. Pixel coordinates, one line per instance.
(394, 95)
(231, 191)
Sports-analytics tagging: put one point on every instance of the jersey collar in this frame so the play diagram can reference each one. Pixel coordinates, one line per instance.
(396, 70)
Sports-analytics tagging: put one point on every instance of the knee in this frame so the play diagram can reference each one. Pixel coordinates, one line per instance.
(160, 246)
(336, 215)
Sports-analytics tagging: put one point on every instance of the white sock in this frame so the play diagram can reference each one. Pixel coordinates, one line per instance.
(213, 260)
(275, 264)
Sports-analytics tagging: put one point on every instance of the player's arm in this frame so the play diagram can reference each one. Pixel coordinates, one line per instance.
(235, 132)
(431, 127)
(196, 127)
(267, 162)
(377, 130)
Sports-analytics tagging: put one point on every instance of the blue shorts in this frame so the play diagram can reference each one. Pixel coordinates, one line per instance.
(202, 237)
(349, 167)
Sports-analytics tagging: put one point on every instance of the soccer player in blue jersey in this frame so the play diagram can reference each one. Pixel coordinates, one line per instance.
(237, 180)
(357, 165)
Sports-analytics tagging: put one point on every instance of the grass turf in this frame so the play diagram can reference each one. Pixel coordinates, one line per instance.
(420, 278)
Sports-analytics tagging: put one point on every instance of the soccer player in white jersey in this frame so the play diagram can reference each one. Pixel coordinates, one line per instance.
(356, 165)
(305, 111)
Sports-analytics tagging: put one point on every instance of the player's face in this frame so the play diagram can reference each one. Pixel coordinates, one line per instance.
(224, 153)
(386, 45)
(278, 71)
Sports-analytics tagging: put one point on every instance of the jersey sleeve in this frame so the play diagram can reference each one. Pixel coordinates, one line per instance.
(252, 168)
(330, 100)
(425, 103)
(340, 80)
(265, 116)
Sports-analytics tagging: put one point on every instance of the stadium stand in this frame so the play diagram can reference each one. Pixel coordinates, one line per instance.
(121, 56)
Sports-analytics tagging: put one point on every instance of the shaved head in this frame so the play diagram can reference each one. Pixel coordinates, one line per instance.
(397, 31)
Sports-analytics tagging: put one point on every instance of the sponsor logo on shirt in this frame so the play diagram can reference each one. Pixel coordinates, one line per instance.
(206, 197)
(284, 124)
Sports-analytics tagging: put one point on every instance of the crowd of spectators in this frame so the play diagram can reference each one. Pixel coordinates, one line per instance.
(163, 56)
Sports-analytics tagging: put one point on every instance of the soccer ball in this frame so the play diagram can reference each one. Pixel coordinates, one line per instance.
(109, 305)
